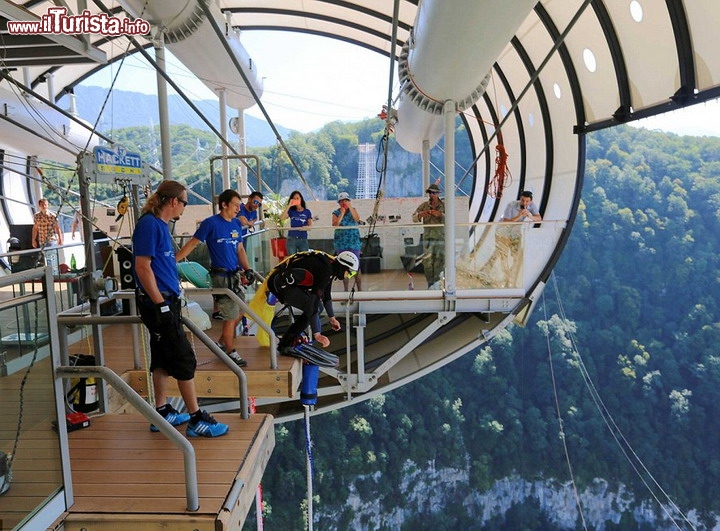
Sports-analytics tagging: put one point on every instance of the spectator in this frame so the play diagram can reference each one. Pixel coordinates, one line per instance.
(77, 225)
(158, 298)
(46, 229)
(248, 213)
(432, 214)
(522, 210)
(300, 217)
(347, 239)
(508, 239)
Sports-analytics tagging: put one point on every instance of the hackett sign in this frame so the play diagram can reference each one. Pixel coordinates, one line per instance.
(117, 162)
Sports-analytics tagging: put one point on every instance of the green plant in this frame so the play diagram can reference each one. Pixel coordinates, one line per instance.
(273, 207)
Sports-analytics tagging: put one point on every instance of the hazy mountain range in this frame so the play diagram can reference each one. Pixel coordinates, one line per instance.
(131, 109)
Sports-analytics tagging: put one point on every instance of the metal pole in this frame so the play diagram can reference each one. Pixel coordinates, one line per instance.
(425, 157)
(90, 267)
(243, 187)
(449, 114)
(223, 131)
(149, 412)
(158, 44)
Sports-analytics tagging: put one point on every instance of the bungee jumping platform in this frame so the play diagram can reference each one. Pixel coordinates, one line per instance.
(126, 477)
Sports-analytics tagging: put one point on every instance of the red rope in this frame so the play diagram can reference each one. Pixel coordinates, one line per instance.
(502, 178)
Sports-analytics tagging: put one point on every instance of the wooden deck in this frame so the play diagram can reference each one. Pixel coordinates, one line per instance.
(126, 477)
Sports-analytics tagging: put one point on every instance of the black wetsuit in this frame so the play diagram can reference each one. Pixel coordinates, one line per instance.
(304, 281)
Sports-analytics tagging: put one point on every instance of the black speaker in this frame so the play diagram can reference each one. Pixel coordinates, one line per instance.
(23, 232)
(127, 271)
(127, 274)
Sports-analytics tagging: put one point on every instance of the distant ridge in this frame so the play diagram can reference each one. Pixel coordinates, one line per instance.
(134, 109)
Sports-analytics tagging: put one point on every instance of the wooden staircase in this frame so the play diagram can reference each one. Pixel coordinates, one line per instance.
(126, 477)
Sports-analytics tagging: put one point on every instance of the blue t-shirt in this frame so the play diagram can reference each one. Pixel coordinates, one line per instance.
(250, 216)
(299, 219)
(222, 238)
(152, 238)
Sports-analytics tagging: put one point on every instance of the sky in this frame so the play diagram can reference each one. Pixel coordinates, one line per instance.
(308, 80)
(311, 80)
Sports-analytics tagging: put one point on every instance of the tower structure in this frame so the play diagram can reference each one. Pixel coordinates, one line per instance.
(367, 181)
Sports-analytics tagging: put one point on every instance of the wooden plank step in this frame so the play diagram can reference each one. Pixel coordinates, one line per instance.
(212, 379)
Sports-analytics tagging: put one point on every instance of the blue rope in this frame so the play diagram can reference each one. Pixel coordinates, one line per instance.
(308, 447)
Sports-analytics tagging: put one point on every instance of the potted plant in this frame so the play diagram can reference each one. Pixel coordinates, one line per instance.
(273, 207)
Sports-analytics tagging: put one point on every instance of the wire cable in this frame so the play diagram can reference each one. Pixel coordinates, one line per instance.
(625, 447)
(561, 426)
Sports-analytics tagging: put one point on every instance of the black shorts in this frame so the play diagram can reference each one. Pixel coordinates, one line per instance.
(169, 348)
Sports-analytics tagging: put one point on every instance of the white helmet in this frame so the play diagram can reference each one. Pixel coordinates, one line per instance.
(348, 260)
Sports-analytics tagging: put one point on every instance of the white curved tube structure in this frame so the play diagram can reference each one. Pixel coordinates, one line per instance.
(191, 39)
(448, 57)
(29, 120)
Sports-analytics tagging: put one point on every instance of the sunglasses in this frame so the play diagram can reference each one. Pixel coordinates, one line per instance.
(257, 203)
(433, 193)
(184, 203)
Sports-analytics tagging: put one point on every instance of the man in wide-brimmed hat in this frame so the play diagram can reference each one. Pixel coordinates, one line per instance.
(432, 214)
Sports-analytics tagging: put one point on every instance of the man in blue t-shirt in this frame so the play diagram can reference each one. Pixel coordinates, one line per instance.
(158, 300)
(248, 213)
(222, 232)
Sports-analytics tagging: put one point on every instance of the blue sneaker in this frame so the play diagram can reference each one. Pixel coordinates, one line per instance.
(206, 427)
(174, 417)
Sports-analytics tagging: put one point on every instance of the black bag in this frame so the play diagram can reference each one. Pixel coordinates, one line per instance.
(83, 395)
(371, 246)
(295, 277)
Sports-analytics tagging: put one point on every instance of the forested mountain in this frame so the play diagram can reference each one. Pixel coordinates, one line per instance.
(327, 160)
(633, 301)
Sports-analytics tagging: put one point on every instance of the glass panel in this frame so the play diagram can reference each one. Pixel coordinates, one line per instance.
(30, 462)
(492, 257)
(396, 257)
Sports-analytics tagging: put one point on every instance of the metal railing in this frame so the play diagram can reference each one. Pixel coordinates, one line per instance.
(149, 412)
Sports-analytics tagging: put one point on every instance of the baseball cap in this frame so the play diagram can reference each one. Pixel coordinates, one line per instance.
(343, 195)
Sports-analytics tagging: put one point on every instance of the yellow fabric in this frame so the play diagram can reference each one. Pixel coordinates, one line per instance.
(264, 311)
(259, 303)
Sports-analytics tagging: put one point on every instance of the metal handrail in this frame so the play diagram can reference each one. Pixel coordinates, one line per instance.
(65, 319)
(246, 309)
(149, 412)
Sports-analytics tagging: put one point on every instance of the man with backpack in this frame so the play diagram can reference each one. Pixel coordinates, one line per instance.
(304, 281)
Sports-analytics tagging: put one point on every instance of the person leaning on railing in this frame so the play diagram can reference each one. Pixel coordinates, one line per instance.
(522, 210)
(508, 239)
